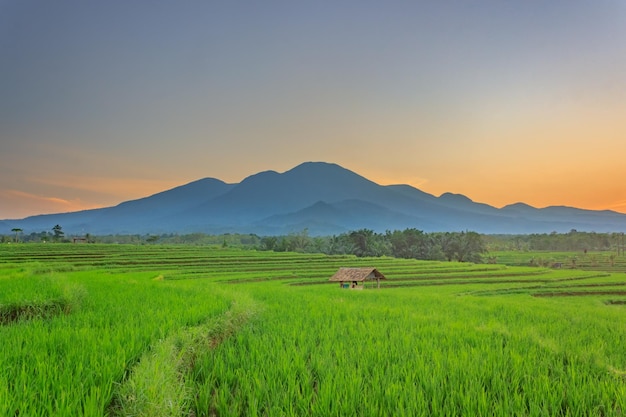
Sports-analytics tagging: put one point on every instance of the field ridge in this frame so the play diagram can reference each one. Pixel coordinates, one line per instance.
(158, 386)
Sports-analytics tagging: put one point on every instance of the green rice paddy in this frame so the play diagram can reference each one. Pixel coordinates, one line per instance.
(121, 330)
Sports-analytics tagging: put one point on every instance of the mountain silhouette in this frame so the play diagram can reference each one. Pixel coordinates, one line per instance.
(323, 198)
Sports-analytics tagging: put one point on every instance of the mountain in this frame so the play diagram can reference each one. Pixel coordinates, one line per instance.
(322, 197)
(153, 214)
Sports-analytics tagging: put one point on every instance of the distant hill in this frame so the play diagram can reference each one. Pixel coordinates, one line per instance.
(322, 197)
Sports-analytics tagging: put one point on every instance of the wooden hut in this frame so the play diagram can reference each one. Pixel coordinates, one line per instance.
(351, 277)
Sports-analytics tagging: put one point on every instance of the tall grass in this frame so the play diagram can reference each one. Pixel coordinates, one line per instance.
(333, 352)
(164, 331)
(158, 385)
(69, 364)
(31, 296)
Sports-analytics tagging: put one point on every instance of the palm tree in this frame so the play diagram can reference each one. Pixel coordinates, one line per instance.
(58, 233)
(17, 231)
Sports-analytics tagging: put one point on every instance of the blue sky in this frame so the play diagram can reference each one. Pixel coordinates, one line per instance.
(503, 101)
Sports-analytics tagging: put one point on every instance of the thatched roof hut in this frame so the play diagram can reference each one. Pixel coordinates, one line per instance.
(356, 275)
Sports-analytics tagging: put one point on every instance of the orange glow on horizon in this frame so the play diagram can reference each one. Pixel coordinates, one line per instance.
(95, 193)
(98, 192)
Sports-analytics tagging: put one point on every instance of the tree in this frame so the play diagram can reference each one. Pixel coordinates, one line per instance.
(410, 243)
(298, 242)
(470, 247)
(361, 241)
(448, 243)
(17, 232)
(366, 242)
(462, 247)
(154, 238)
(268, 243)
(339, 245)
(43, 236)
(58, 233)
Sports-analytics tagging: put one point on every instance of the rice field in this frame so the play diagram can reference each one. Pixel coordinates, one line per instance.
(121, 330)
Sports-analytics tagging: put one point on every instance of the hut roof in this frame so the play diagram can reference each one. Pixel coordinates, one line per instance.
(356, 274)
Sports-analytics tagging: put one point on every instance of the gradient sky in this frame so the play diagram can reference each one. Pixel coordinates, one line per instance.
(502, 101)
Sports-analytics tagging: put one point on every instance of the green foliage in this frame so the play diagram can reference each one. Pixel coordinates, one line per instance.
(366, 242)
(17, 232)
(557, 242)
(160, 384)
(198, 330)
(69, 364)
(409, 243)
(413, 353)
(58, 233)
(34, 296)
(597, 261)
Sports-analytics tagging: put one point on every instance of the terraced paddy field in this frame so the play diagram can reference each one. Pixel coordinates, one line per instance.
(112, 330)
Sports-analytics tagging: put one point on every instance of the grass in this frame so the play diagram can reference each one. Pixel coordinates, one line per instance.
(592, 260)
(406, 353)
(158, 385)
(177, 330)
(33, 296)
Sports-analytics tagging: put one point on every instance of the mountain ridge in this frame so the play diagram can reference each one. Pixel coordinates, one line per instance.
(322, 197)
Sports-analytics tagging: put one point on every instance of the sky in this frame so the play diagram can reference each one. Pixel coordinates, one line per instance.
(503, 101)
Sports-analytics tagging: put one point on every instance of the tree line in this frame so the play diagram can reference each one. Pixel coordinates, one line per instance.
(409, 243)
(565, 242)
(57, 235)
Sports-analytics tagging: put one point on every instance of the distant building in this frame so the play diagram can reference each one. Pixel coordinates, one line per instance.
(352, 277)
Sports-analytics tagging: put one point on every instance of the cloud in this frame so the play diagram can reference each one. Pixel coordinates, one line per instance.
(107, 186)
(18, 204)
(94, 192)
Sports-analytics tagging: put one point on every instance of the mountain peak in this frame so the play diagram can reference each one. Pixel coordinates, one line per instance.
(270, 192)
(314, 164)
(455, 198)
(325, 169)
(518, 206)
(323, 197)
